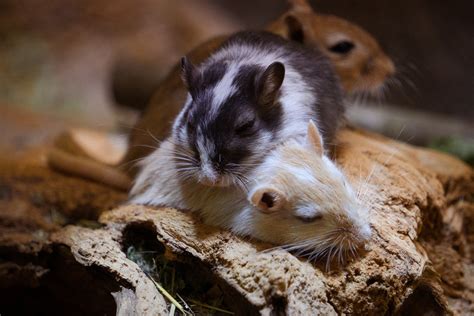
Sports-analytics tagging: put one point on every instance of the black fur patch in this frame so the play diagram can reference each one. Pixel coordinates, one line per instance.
(221, 129)
(316, 70)
(212, 75)
(246, 80)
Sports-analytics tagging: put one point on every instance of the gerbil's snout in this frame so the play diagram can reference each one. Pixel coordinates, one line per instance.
(210, 177)
(349, 239)
(390, 66)
(215, 173)
(210, 182)
(355, 219)
(384, 68)
(212, 172)
(361, 234)
(365, 232)
(331, 239)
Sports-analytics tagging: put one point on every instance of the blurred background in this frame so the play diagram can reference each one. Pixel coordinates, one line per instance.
(58, 60)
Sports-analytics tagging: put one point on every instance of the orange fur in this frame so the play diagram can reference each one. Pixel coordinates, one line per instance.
(364, 69)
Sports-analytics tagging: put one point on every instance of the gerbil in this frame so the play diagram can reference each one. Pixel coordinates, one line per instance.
(300, 23)
(358, 58)
(256, 91)
(360, 63)
(296, 198)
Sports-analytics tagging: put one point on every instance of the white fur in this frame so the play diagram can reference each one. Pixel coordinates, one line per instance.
(181, 133)
(228, 207)
(159, 184)
(307, 211)
(224, 89)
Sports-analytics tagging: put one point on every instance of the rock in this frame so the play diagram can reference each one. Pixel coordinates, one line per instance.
(419, 260)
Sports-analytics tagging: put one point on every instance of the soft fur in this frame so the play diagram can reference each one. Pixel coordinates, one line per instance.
(361, 64)
(256, 91)
(312, 208)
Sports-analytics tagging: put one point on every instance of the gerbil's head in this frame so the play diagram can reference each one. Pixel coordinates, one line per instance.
(359, 61)
(229, 120)
(307, 205)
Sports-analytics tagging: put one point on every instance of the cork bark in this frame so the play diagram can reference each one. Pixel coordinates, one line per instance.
(418, 261)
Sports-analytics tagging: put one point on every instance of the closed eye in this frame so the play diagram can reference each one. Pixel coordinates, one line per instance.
(308, 214)
(245, 129)
(342, 47)
(309, 219)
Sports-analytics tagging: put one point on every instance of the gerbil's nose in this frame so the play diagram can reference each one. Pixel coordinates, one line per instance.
(388, 65)
(208, 181)
(365, 232)
(208, 174)
(391, 67)
(218, 161)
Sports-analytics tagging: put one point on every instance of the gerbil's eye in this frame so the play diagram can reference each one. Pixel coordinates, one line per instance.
(245, 129)
(310, 219)
(342, 47)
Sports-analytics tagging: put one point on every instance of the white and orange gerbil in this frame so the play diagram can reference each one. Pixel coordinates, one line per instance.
(297, 198)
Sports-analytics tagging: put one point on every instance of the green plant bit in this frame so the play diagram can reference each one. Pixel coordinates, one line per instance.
(168, 296)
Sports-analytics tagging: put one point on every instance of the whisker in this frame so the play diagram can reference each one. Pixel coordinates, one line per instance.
(126, 164)
(365, 184)
(145, 146)
(153, 136)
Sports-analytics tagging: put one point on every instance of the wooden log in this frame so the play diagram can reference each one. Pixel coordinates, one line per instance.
(419, 259)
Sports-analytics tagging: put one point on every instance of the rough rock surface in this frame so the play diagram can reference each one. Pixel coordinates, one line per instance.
(419, 260)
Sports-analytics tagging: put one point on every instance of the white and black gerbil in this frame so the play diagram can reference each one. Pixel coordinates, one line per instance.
(253, 93)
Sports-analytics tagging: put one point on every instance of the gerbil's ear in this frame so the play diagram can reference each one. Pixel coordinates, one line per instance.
(313, 139)
(300, 6)
(268, 199)
(294, 28)
(269, 83)
(189, 74)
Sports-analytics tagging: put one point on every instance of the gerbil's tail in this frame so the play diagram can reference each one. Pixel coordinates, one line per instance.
(89, 169)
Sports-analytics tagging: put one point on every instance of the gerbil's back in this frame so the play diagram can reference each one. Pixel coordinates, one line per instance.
(314, 68)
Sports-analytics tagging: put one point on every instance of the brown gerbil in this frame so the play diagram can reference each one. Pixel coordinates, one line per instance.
(359, 60)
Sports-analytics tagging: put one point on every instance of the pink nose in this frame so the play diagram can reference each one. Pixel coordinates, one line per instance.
(209, 181)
